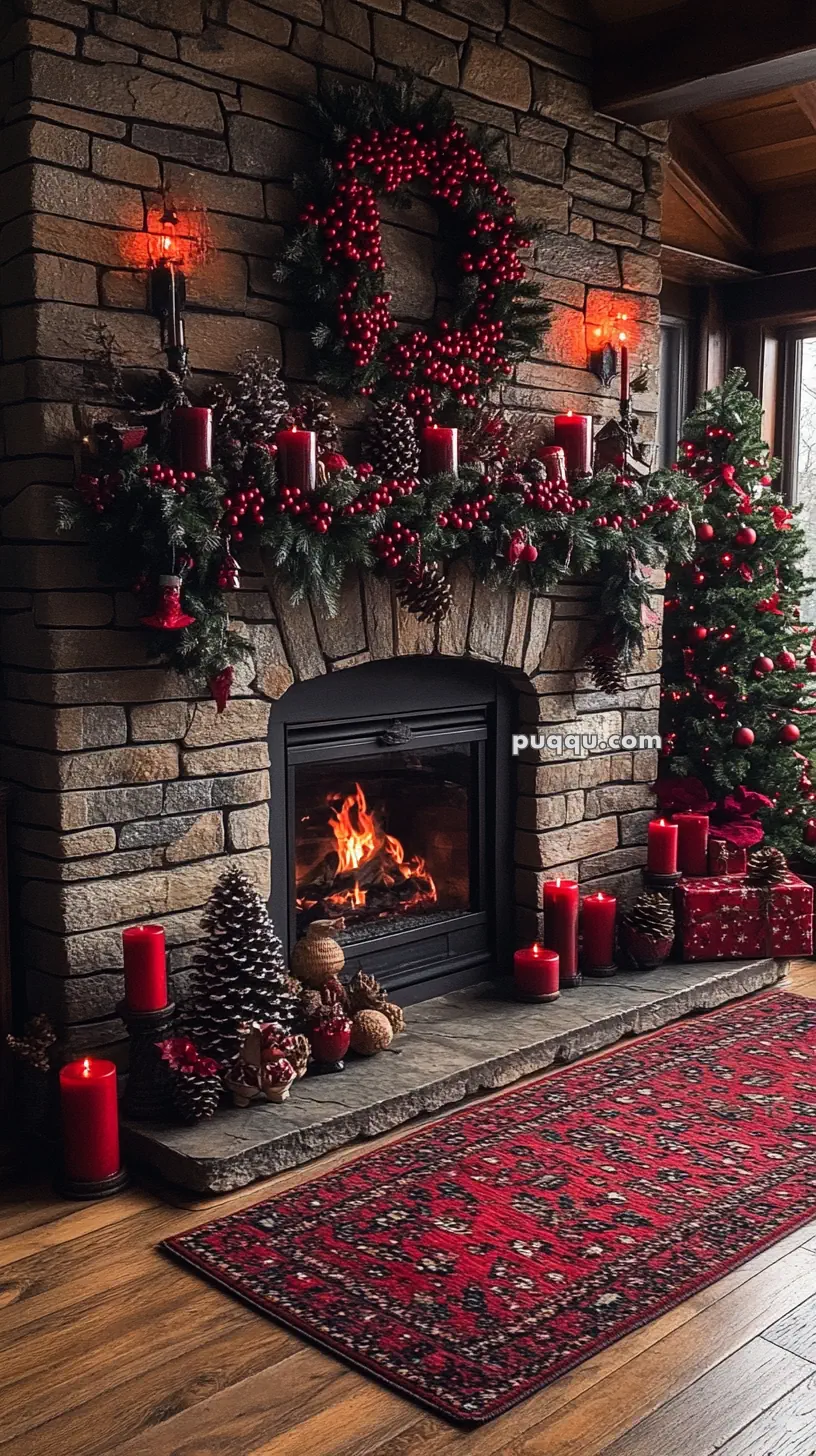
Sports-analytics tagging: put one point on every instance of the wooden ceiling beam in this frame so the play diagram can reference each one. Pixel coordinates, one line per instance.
(709, 185)
(699, 52)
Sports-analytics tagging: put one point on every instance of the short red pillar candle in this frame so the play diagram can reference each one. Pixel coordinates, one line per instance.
(554, 461)
(598, 914)
(192, 438)
(439, 450)
(661, 853)
(561, 926)
(536, 973)
(145, 967)
(574, 433)
(297, 458)
(692, 846)
(90, 1120)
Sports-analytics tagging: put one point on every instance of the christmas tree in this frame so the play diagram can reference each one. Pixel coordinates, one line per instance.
(240, 974)
(737, 714)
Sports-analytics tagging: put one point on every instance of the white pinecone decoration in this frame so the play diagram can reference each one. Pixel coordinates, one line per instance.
(424, 591)
(252, 412)
(390, 442)
(313, 411)
(195, 1097)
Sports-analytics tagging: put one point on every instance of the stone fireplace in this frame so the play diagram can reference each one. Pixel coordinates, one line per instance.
(129, 795)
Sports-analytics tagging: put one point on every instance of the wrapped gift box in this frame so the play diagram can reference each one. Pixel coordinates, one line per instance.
(726, 919)
(725, 858)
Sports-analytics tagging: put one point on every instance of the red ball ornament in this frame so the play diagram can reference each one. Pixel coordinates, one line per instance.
(530, 552)
(698, 634)
(705, 531)
(809, 832)
(746, 536)
(810, 662)
(763, 664)
(743, 737)
(786, 660)
(789, 734)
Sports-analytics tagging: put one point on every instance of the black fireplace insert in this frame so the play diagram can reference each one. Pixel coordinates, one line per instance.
(390, 811)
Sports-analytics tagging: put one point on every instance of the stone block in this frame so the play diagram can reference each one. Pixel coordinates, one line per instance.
(567, 102)
(125, 91)
(113, 766)
(487, 13)
(497, 75)
(224, 759)
(229, 53)
(535, 128)
(244, 718)
(132, 33)
(108, 52)
(564, 341)
(176, 14)
(260, 21)
(73, 609)
(633, 826)
(85, 842)
(575, 39)
(64, 730)
(566, 644)
(378, 610)
(596, 190)
(260, 149)
(644, 764)
(537, 159)
(216, 341)
(538, 814)
(548, 207)
(181, 146)
(613, 863)
(489, 622)
(273, 673)
(248, 828)
(342, 635)
(153, 833)
(39, 141)
(108, 806)
(432, 19)
(432, 56)
(540, 618)
(412, 638)
(617, 798)
(573, 842)
(332, 50)
(124, 164)
(158, 722)
(520, 602)
(605, 159)
(410, 261)
(303, 652)
(572, 257)
(204, 837)
(640, 274)
(70, 194)
(237, 196)
(346, 18)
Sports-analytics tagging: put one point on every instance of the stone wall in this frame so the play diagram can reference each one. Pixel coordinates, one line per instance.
(129, 795)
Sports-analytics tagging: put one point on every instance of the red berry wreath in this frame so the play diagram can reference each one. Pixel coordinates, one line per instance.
(381, 141)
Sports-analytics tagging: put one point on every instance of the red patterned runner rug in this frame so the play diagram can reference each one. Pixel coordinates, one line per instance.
(476, 1260)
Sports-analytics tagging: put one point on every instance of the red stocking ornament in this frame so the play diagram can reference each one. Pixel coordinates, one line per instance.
(169, 615)
(220, 687)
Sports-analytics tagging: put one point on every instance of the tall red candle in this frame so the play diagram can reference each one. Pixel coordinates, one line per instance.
(192, 438)
(692, 847)
(574, 433)
(598, 931)
(145, 967)
(561, 926)
(624, 371)
(439, 450)
(297, 458)
(661, 854)
(90, 1120)
(536, 973)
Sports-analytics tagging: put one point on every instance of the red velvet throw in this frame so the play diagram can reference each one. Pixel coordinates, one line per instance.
(476, 1260)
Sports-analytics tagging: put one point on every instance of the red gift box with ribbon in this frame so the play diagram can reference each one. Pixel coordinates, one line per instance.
(728, 919)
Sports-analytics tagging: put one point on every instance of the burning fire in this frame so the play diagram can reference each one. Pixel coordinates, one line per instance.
(372, 858)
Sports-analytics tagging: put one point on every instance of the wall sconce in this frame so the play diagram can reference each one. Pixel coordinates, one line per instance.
(168, 288)
(604, 341)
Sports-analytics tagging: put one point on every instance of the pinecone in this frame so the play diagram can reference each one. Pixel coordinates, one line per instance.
(767, 866)
(605, 665)
(424, 591)
(314, 412)
(390, 441)
(652, 914)
(194, 1097)
(34, 1045)
(239, 975)
(251, 412)
(395, 1015)
(366, 994)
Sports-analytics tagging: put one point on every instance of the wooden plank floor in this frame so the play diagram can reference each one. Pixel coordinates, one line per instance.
(105, 1346)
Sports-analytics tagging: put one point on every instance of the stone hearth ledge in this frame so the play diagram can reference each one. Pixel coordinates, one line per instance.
(457, 1045)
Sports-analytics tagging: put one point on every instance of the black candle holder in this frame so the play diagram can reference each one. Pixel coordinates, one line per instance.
(88, 1189)
(661, 882)
(525, 996)
(600, 973)
(147, 1094)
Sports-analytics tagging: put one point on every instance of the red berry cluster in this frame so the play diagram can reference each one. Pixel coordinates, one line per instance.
(463, 515)
(455, 360)
(362, 328)
(317, 513)
(98, 491)
(498, 263)
(248, 501)
(390, 545)
(379, 499)
(159, 474)
(667, 505)
(550, 495)
(350, 226)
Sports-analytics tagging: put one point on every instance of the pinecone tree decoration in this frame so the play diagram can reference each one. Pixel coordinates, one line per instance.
(390, 441)
(647, 930)
(313, 411)
(424, 591)
(605, 665)
(192, 1083)
(767, 866)
(252, 412)
(240, 974)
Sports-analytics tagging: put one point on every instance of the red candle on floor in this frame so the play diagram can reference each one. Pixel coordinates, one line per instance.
(574, 433)
(561, 926)
(192, 438)
(90, 1120)
(297, 458)
(598, 931)
(535, 973)
(661, 854)
(440, 450)
(692, 848)
(145, 967)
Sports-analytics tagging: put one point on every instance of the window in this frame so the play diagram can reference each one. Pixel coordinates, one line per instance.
(674, 351)
(800, 445)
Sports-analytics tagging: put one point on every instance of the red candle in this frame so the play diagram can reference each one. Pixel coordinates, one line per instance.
(440, 450)
(561, 926)
(192, 438)
(535, 973)
(598, 931)
(692, 848)
(90, 1120)
(574, 433)
(554, 461)
(624, 370)
(661, 855)
(297, 457)
(145, 967)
